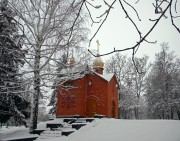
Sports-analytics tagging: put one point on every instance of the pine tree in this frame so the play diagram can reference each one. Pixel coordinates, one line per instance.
(12, 102)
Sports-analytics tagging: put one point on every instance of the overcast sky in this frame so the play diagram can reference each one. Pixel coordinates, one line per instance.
(118, 32)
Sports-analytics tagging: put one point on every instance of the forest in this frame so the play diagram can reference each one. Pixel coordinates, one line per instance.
(39, 38)
(151, 93)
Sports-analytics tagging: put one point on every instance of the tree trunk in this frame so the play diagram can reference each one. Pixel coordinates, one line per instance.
(178, 114)
(136, 112)
(172, 113)
(36, 93)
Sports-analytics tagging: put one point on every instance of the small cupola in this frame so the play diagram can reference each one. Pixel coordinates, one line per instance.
(72, 60)
(98, 64)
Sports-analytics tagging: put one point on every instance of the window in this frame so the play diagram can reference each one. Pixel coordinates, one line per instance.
(69, 85)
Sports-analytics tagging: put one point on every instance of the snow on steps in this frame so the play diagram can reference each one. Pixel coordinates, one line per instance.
(66, 129)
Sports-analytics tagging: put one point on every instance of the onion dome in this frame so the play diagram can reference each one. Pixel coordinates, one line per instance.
(72, 60)
(98, 63)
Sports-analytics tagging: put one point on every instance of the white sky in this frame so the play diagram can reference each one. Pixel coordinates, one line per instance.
(118, 32)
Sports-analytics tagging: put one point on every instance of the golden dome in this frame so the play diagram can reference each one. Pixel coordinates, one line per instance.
(98, 63)
(72, 61)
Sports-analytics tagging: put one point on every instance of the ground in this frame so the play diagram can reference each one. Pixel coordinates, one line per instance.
(108, 130)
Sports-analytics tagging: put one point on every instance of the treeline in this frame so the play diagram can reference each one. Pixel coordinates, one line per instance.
(148, 90)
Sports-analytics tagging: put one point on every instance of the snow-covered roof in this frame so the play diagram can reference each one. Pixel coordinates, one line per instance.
(73, 69)
(106, 77)
(72, 73)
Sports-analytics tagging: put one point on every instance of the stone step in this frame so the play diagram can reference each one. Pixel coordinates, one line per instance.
(20, 139)
(67, 133)
(51, 132)
(77, 126)
(53, 126)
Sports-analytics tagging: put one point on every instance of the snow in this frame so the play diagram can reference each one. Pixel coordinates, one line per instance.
(110, 129)
(106, 77)
(14, 132)
(75, 73)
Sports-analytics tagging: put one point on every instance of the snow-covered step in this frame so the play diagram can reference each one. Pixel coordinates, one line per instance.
(77, 126)
(66, 133)
(54, 126)
(51, 132)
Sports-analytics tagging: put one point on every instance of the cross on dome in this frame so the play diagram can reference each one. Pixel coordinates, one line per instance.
(72, 60)
(98, 47)
(98, 63)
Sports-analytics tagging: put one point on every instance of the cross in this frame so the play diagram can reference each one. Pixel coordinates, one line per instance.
(72, 52)
(97, 47)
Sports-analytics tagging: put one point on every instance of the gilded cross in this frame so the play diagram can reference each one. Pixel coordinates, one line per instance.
(97, 47)
(72, 52)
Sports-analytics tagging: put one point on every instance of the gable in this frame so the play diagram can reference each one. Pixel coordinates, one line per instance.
(106, 77)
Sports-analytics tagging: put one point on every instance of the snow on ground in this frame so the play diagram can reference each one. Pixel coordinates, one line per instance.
(42, 125)
(127, 130)
(14, 132)
(117, 130)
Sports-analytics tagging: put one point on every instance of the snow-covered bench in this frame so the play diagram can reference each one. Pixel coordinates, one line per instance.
(69, 120)
(66, 133)
(37, 131)
(80, 120)
(20, 139)
(54, 126)
(89, 119)
(77, 126)
(99, 116)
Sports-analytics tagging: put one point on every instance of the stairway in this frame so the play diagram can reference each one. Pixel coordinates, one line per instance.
(65, 128)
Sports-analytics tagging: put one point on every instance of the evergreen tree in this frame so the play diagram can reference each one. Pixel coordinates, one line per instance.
(12, 102)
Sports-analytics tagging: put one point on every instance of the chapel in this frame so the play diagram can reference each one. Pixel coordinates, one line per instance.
(88, 91)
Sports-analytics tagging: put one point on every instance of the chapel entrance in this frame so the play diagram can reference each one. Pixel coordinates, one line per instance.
(91, 107)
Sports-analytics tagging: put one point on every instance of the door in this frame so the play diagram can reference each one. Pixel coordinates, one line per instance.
(91, 107)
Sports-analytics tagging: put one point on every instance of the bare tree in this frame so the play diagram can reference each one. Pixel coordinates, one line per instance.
(141, 64)
(163, 91)
(120, 65)
(131, 83)
(49, 27)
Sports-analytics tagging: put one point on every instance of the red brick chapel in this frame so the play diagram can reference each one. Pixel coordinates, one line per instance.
(91, 93)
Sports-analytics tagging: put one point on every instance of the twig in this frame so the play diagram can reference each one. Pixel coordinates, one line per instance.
(72, 27)
(136, 1)
(91, 15)
(142, 39)
(130, 19)
(172, 21)
(101, 23)
(133, 9)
